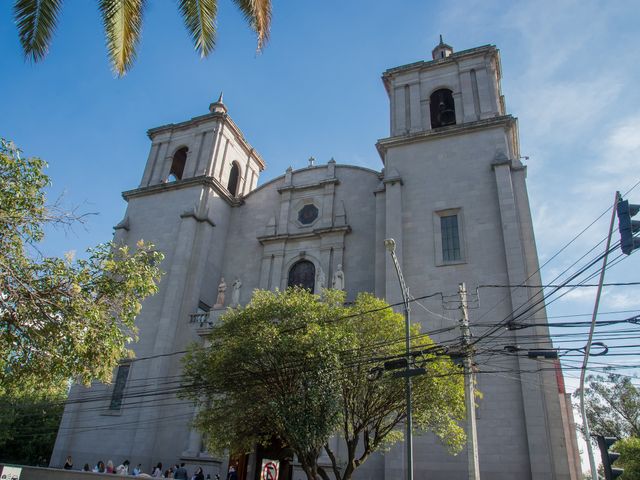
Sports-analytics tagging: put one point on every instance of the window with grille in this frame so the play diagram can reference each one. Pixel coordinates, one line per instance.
(450, 238)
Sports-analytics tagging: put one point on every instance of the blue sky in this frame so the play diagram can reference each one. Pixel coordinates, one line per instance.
(570, 74)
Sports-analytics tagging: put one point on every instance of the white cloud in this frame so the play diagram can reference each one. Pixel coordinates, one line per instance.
(626, 300)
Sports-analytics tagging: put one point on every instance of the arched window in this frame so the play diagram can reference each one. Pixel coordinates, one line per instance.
(443, 110)
(232, 186)
(302, 274)
(177, 165)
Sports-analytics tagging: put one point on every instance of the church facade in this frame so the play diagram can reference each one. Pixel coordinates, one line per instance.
(451, 194)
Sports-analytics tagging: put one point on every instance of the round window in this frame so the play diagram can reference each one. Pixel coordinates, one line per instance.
(308, 214)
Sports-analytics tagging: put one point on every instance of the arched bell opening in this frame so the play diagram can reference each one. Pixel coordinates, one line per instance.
(178, 163)
(234, 176)
(443, 110)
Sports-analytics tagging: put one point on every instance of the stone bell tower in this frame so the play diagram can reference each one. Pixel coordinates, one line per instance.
(456, 204)
(209, 146)
(197, 172)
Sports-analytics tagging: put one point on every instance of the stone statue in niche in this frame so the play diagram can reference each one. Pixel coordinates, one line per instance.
(235, 294)
(338, 278)
(222, 287)
(321, 280)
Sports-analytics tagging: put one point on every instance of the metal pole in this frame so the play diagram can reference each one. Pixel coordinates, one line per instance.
(390, 244)
(469, 390)
(583, 410)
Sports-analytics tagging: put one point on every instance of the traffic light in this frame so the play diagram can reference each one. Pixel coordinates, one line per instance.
(627, 226)
(610, 473)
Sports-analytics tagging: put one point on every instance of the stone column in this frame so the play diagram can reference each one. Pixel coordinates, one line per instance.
(151, 161)
(265, 271)
(536, 421)
(466, 87)
(283, 218)
(457, 100)
(159, 165)
(398, 109)
(414, 102)
(485, 93)
(393, 216)
(170, 319)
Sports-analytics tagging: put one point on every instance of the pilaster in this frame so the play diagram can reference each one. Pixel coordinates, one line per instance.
(158, 165)
(393, 217)
(151, 161)
(533, 401)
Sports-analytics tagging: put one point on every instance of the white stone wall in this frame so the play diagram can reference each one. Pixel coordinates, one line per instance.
(471, 168)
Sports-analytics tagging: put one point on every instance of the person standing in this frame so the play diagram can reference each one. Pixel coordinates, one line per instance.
(181, 473)
(68, 464)
(123, 468)
(232, 473)
(157, 471)
(198, 474)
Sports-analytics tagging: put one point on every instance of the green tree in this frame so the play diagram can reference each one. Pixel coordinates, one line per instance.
(60, 318)
(372, 410)
(29, 424)
(295, 367)
(613, 406)
(269, 374)
(122, 20)
(629, 450)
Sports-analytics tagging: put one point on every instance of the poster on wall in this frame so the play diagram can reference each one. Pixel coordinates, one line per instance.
(10, 473)
(270, 469)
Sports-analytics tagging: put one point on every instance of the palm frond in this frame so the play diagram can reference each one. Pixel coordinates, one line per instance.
(258, 14)
(122, 21)
(36, 20)
(200, 19)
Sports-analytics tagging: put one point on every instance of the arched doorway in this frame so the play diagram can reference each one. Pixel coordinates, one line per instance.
(302, 274)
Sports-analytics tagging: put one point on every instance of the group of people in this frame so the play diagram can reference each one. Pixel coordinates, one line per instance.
(176, 471)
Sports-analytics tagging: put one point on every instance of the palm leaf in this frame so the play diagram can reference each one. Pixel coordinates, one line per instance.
(200, 19)
(258, 14)
(122, 21)
(36, 20)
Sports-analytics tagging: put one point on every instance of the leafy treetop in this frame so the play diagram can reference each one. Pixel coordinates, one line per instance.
(61, 318)
(293, 368)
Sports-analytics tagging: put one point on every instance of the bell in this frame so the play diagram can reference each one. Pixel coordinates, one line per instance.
(447, 116)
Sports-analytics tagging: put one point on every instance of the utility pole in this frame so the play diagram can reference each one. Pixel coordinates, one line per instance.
(469, 388)
(583, 372)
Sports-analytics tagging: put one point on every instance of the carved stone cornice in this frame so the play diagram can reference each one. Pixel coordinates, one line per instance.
(505, 121)
(202, 180)
(203, 119)
(316, 232)
(306, 186)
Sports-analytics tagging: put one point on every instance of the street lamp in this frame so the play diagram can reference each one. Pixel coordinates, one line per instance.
(390, 245)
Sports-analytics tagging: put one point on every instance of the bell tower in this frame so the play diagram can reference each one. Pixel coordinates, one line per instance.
(208, 146)
(455, 201)
(451, 89)
(198, 172)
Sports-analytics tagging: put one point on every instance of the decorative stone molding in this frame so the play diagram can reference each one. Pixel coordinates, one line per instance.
(201, 180)
(296, 236)
(123, 225)
(199, 214)
(506, 121)
(321, 183)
